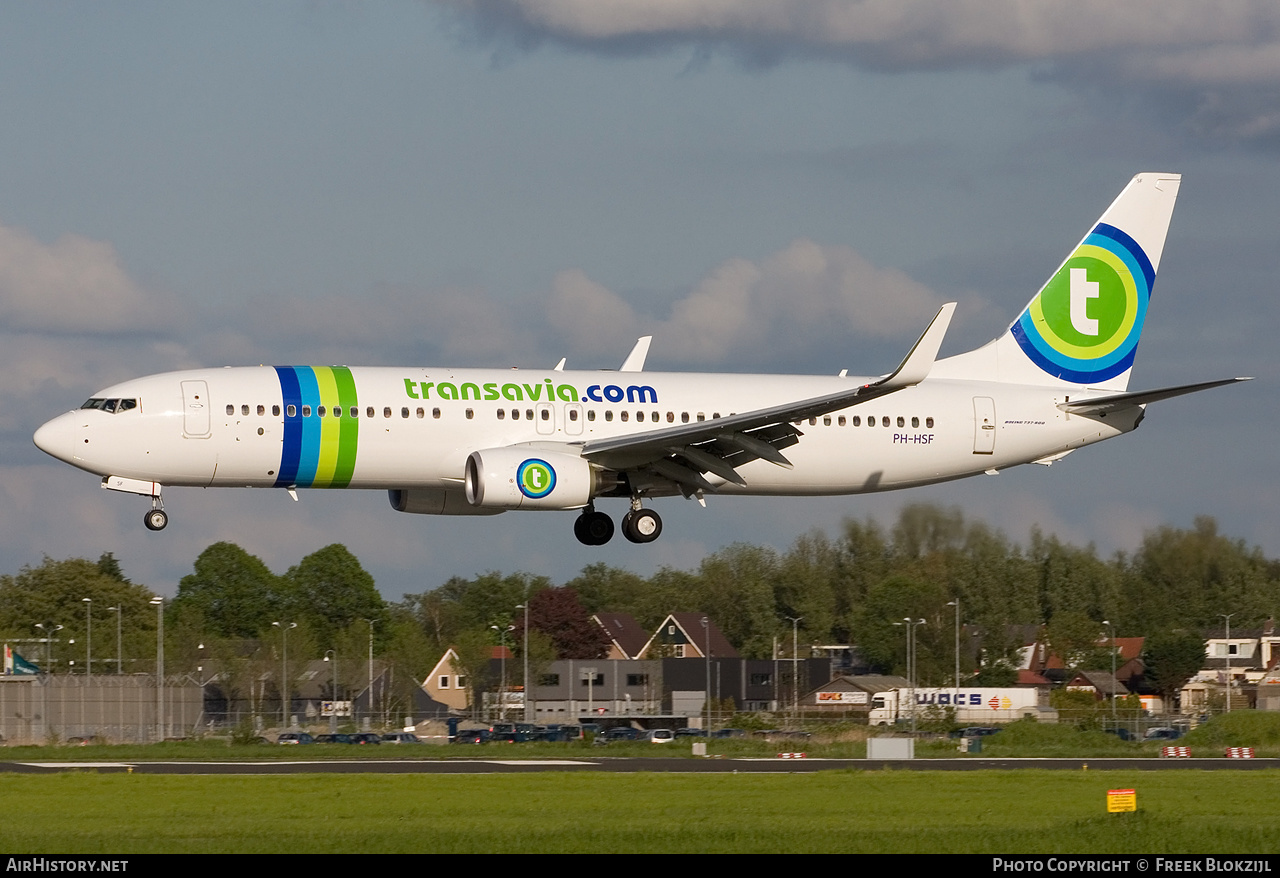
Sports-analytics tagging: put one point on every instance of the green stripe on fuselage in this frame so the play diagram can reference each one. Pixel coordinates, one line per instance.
(348, 427)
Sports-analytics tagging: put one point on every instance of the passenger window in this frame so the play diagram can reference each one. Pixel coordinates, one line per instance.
(422, 413)
(701, 416)
(293, 411)
(386, 412)
(528, 414)
(915, 422)
(871, 421)
(404, 412)
(671, 417)
(502, 414)
(231, 410)
(319, 411)
(355, 411)
(369, 412)
(591, 414)
(684, 417)
(275, 411)
(715, 415)
(470, 414)
(884, 421)
(857, 420)
(813, 422)
(826, 421)
(902, 422)
(262, 410)
(928, 422)
(515, 414)
(625, 415)
(840, 420)
(435, 413)
(244, 410)
(573, 414)
(608, 414)
(306, 411)
(337, 411)
(546, 414)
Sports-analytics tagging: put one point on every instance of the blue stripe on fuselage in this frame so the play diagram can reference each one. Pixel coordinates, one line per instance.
(291, 449)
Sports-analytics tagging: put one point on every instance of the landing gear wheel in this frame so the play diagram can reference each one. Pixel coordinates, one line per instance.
(156, 519)
(593, 528)
(641, 526)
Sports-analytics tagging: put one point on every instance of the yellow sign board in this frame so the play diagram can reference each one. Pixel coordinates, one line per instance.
(1121, 800)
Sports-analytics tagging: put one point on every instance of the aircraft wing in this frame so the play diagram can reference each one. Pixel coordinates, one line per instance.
(1102, 405)
(718, 446)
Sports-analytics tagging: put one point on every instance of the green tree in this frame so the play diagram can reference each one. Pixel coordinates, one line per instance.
(331, 591)
(231, 591)
(1170, 659)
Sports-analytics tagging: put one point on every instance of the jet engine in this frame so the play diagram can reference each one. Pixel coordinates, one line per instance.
(528, 478)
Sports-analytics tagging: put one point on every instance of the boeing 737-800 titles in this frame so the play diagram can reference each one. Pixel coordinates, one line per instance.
(482, 441)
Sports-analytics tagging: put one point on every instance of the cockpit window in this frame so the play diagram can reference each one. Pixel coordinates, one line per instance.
(110, 405)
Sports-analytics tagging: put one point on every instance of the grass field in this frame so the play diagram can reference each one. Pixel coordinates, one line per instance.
(1028, 811)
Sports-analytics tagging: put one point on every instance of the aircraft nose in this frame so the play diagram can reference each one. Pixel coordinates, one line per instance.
(57, 438)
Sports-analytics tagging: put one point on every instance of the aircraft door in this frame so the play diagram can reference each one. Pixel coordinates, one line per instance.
(984, 425)
(546, 415)
(195, 409)
(573, 419)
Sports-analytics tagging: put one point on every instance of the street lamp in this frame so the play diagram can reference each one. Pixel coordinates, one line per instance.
(333, 706)
(706, 655)
(88, 637)
(371, 622)
(1112, 629)
(528, 706)
(956, 604)
(795, 669)
(1226, 658)
(284, 669)
(119, 663)
(502, 664)
(158, 603)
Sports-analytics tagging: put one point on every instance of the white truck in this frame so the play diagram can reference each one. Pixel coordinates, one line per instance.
(980, 705)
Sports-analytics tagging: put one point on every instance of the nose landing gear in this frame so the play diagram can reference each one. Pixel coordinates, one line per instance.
(157, 518)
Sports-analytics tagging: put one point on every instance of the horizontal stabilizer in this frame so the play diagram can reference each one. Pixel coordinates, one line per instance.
(1102, 404)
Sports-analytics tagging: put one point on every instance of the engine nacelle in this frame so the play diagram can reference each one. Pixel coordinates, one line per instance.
(528, 478)
(434, 501)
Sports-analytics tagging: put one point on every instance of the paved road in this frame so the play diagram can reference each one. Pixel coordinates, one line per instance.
(652, 764)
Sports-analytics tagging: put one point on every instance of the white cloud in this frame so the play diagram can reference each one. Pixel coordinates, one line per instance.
(800, 293)
(73, 285)
(1158, 50)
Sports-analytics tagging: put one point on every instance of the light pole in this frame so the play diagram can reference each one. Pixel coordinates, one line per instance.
(1226, 658)
(333, 706)
(158, 603)
(502, 665)
(795, 669)
(956, 604)
(284, 669)
(119, 663)
(88, 637)
(706, 655)
(371, 622)
(1112, 629)
(528, 706)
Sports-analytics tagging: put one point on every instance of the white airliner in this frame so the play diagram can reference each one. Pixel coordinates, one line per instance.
(481, 441)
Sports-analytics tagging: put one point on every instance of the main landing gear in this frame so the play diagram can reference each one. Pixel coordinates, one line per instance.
(640, 525)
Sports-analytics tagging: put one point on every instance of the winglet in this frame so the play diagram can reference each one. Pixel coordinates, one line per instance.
(635, 360)
(559, 367)
(919, 361)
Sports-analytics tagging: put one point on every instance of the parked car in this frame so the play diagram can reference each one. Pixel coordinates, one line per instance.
(333, 739)
(690, 733)
(471, 736)
(975, 732)
(1162, 733)
(295, 738)
(728, 733)
(401, 738)
(366, 738)
(661, 736)
(623, 733)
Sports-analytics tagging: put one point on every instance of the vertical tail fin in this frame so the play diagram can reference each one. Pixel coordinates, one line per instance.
(1083, 327)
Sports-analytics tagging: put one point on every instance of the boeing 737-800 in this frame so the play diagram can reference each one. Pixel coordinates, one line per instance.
(482, 441)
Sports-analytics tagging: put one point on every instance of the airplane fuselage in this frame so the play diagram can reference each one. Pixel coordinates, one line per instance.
(392, 428)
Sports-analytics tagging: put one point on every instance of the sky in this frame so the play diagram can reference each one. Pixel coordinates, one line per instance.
(763, 185)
